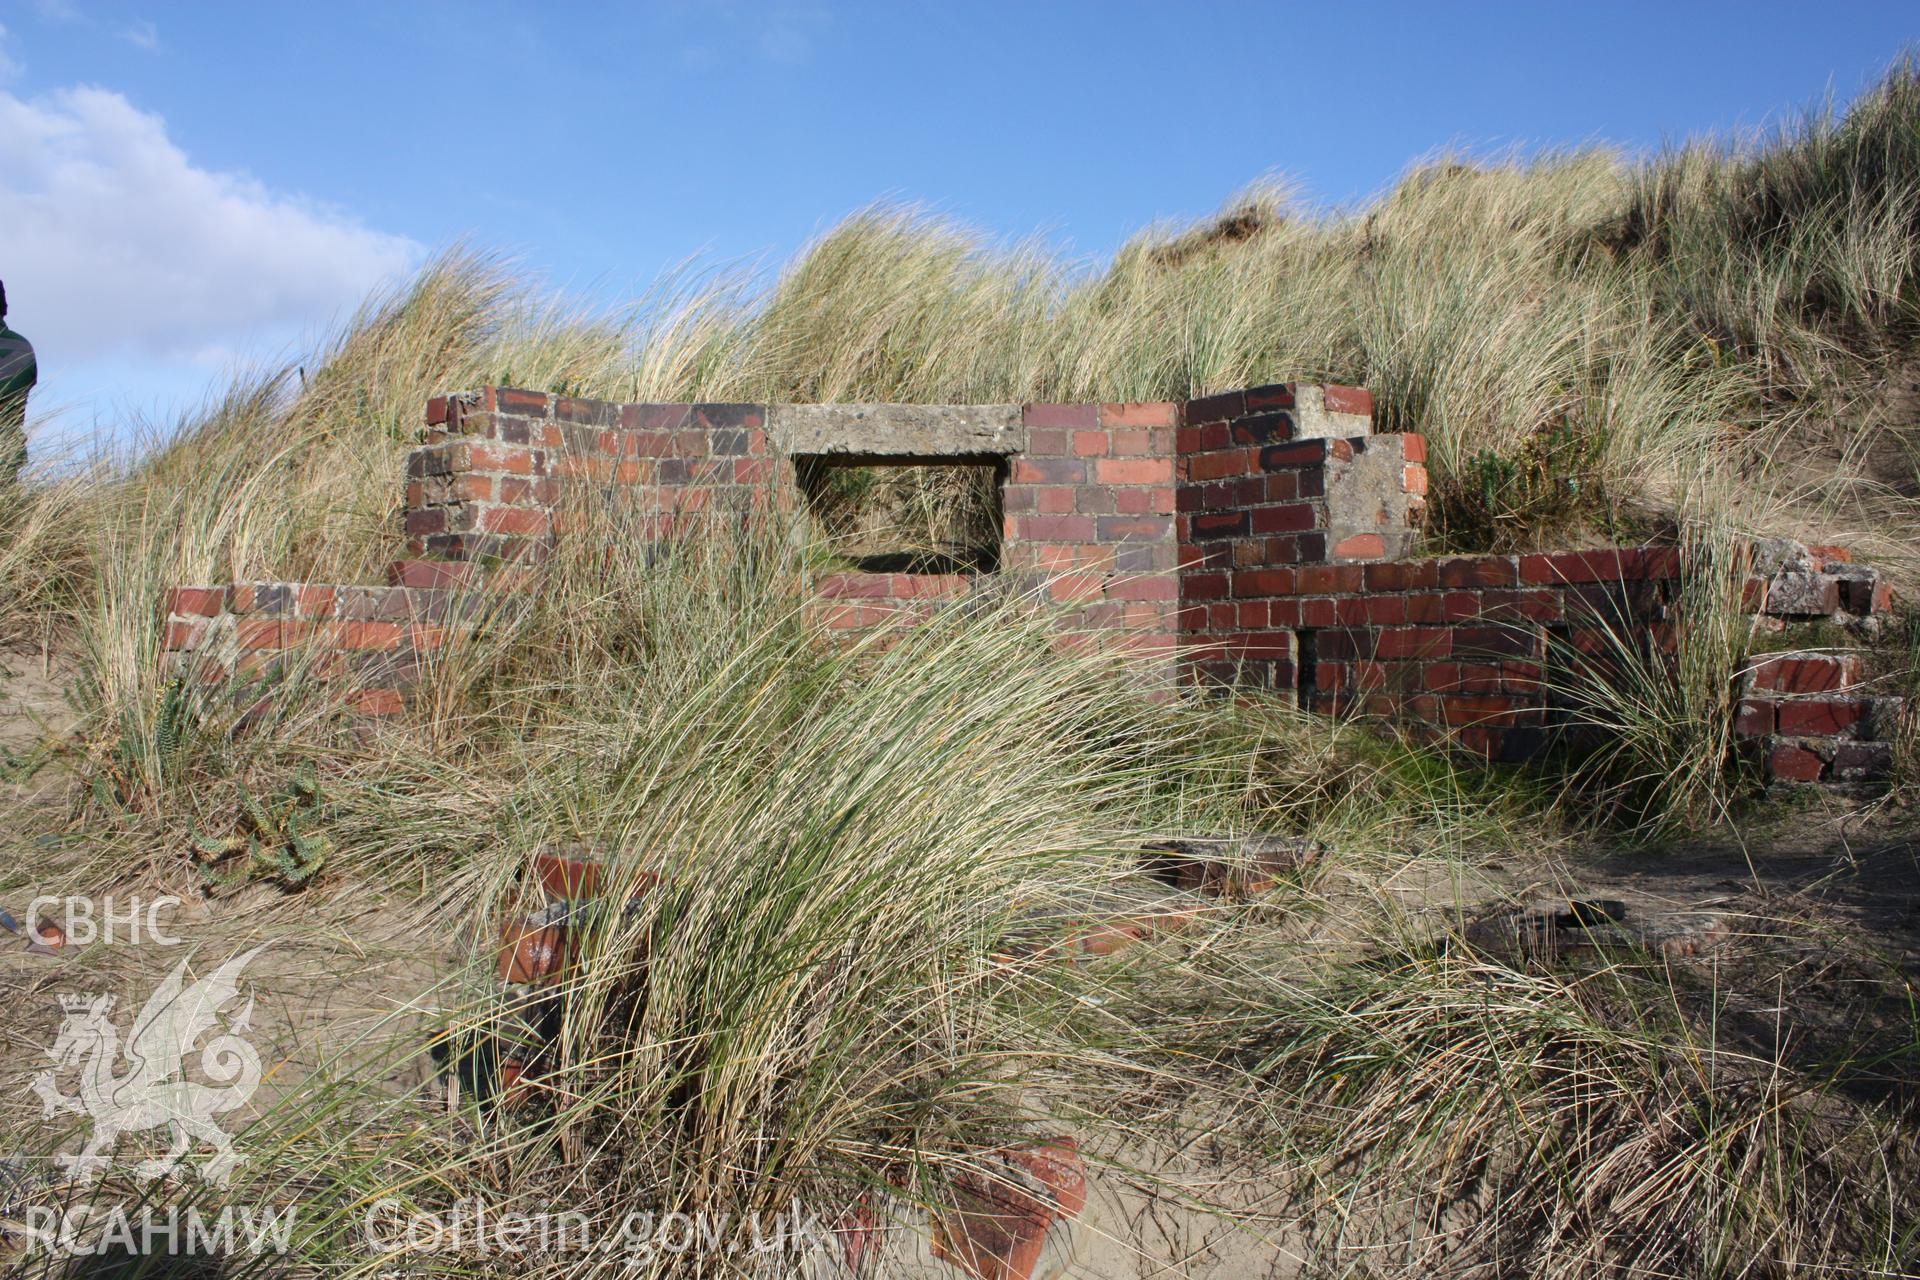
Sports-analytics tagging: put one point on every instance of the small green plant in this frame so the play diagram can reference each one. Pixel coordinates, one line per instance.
(1501, 499)
(284, 837)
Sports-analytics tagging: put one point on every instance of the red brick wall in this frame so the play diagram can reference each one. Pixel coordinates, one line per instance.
(491, 482)
(1261, 537)
(371, 639)
(1089, 518)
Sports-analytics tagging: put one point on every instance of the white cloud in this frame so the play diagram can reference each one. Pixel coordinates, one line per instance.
(116, 247)
(9, 66)
(142, 34)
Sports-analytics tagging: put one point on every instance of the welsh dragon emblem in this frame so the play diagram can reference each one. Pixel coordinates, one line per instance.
(153, 1093)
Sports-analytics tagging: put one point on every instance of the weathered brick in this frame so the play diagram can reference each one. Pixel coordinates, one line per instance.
(1806, 672)
(1755, 718)
(1862, 761)
(1794, 764)
(1478, 571)
(1348, 399)
(1262, 428)
(204, 602)
(1822, 717)
(186, 635)
(1061, 415)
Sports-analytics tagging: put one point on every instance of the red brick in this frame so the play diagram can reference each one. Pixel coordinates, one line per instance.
(1822, 716)
(369, 635)
(313, 602)
(1755, 718)
(483, 456)
(185, 635)
(1142, 413)
(1263, 582)
(1606, 565)
(1138, 501)
(1299, 453)
(1806, 672)
(1413, 642)
(1382, 610)
(1795, 764)
(856, 586)
(426, 520)
(1203, 586)
(513, 400)
(1349, 400)
(1134, 471)
(257, 633)
(1330, 579)
(1089, 444)
(1061, 415)
(1414, 480)
(1413, 446)
(648, 444)
(931, 586)
(1478, 571)
(1061, 528)
(1218, 464)
(1482, 709)
(1216, 409)
(1361, 546)
(1077, 586)
(379, 702)
(514, 520)
(1156, 587)
(1426, 607)
(1049, 471)
(1291, 517)
(1317, 613)
(203, 602)
(1533, 606)
(856, 617)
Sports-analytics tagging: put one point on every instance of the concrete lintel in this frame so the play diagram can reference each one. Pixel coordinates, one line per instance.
(920, 431)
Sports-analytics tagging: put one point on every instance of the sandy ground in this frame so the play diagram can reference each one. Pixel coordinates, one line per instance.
(343, 975)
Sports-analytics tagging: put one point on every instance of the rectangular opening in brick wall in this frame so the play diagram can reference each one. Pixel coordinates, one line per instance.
(884, 516)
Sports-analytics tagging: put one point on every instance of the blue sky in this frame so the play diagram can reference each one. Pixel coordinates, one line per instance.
(187, 187)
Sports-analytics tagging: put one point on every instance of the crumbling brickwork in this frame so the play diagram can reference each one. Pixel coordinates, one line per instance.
(1262, 537)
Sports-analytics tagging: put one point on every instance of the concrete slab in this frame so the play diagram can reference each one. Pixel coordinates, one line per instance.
(898, 431)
